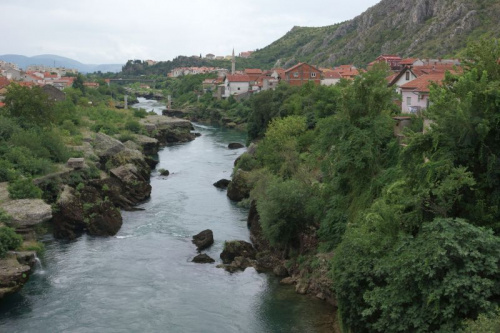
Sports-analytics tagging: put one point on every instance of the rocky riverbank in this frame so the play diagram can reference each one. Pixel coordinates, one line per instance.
(87, 194)
(309, 275)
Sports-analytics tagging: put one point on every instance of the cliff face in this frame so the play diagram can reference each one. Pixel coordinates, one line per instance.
(424, 28)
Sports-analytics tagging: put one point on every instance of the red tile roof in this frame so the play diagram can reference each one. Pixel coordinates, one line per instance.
(26, 84)
(408, 61)
(238, 78)
(4, 82)
(253, 71)
(422, 83)
(331, 75)
(298, 65)
(2, 104)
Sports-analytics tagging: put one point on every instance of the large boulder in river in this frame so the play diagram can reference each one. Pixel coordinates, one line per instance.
(235, 145)
(239, 188)
(237, 248)
(27, 212)
(204, 239)
(222, 184)
(203, 259)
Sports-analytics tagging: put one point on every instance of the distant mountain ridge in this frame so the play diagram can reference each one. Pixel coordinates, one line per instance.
(58, 61)
(420, 28)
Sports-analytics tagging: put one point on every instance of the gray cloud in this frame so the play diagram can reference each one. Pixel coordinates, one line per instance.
(113, 31)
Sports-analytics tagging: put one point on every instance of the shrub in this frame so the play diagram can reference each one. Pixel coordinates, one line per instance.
(140, 113)
(246, 162)
(284, 211)
(9, 240)
(133, 126)
(4, 217)
(126, 136)
(23, 188)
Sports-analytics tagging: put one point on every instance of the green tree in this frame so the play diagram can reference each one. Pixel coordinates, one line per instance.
(29, 105)
(78, 84)
(448, 273)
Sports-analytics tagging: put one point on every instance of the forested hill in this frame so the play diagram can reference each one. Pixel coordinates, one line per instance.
(421, 28)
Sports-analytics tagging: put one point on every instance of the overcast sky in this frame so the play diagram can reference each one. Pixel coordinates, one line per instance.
(113, 31)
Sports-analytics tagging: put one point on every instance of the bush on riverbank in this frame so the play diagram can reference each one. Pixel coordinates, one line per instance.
(9, 240)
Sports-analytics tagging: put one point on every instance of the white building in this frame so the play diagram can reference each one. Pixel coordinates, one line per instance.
(236, 85)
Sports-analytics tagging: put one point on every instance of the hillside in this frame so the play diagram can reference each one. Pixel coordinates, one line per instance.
(58, 61)
(423, 28)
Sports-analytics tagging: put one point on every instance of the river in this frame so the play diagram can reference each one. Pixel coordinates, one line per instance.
(143, 280)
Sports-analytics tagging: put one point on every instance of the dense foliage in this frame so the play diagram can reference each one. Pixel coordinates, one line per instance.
(414, 227)
(9, 240)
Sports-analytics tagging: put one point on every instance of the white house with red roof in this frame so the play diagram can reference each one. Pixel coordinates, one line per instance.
(236, 85)
(330, 78)
(415, 94)
(410, 73)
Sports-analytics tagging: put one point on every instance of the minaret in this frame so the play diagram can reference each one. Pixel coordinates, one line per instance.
(233, 64)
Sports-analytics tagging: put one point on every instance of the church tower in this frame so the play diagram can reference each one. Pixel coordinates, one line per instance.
(233, 64)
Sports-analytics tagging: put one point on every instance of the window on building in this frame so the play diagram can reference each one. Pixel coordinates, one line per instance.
(408, 101)
(296, 74)
(407, 76)
(313, 74)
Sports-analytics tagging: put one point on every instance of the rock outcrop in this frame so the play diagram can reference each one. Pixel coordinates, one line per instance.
(237, 248)
(149, 145)
(409, 28)
(85, 210)
(15, 270)
(203, 240)
(169, 130)
(27, 212)
(239, 187)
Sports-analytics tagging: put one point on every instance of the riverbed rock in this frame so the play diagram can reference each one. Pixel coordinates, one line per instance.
(27, 212)
(288, 281)
(83, 210)
(239, 188)
(68, 216)
(237, 248)
(14, 273)
(222, 184)
(301, 287)
(136, 187)
(235, 145)
(204, 239)
(164, 172)
(239, 264)
(203, 259)
(167, 129)
(280, 271)
(149, 145)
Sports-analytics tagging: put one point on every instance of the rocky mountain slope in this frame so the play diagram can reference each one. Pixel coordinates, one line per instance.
(423, 28)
